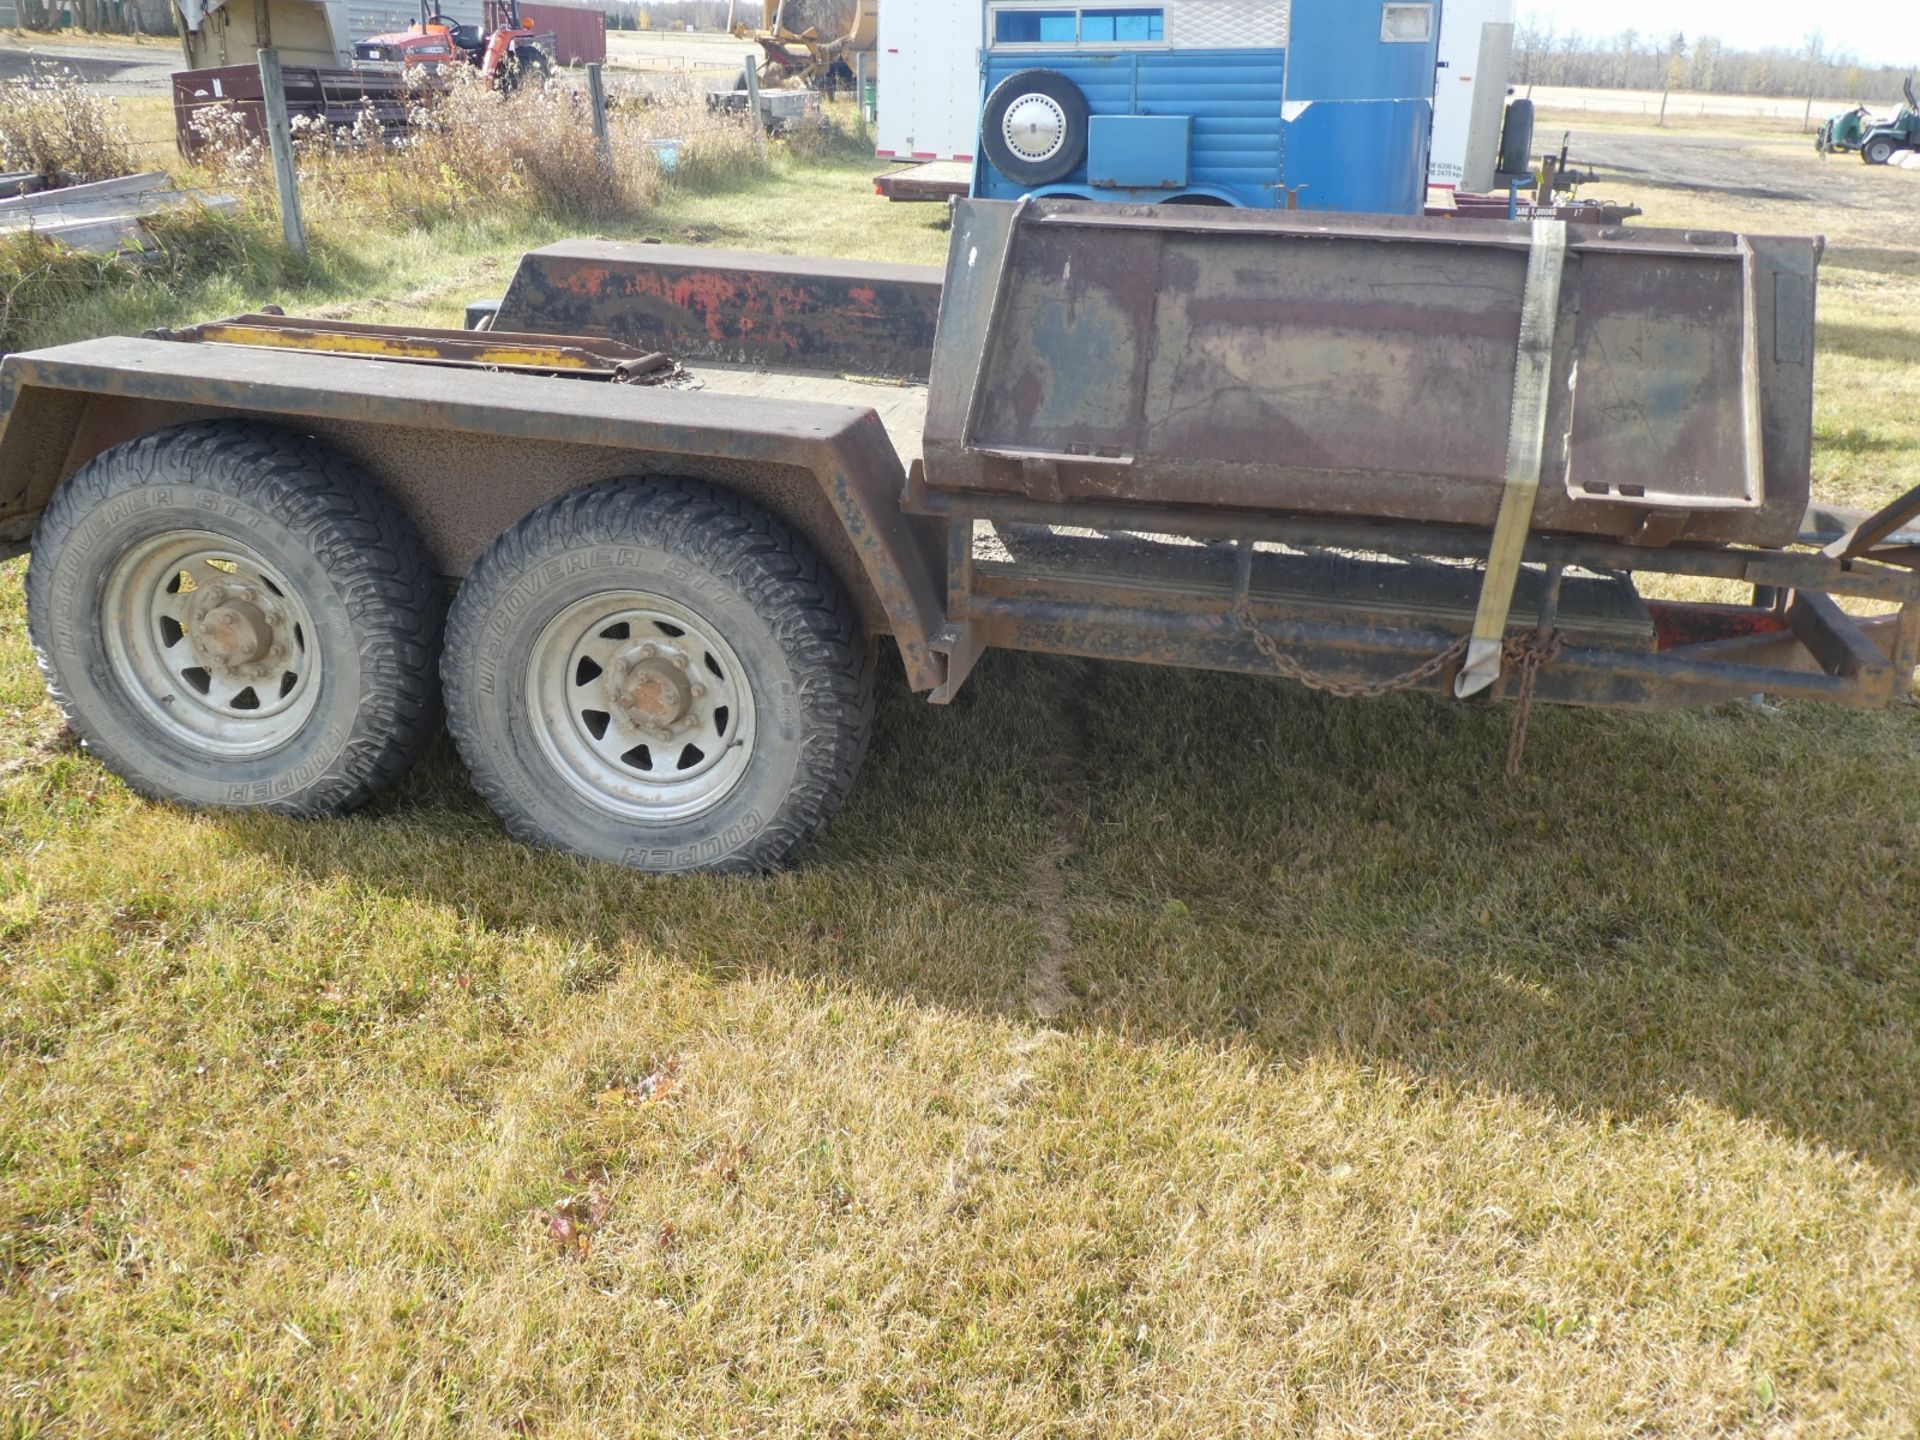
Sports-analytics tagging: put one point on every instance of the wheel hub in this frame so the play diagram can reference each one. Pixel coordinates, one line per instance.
(655, 691)
(644, 707)
(1035, 127)
(211, 643)
(232, 632)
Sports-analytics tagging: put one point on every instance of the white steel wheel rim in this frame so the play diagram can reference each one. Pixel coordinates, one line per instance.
(211, 644)
(641, 705)
(1035, 128)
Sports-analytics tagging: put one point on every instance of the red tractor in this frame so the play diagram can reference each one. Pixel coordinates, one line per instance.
(507, 56)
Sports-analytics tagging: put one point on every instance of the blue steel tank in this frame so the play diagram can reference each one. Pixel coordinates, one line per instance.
(1313, 104)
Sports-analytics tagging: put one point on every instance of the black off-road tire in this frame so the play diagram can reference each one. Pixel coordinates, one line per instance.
(350, 555)
(743, 576)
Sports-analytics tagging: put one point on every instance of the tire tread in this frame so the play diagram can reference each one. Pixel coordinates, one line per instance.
(771, 566)
(367, 543)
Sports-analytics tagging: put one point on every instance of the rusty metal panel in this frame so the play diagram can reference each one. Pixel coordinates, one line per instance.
(578, 35)
(1365, 366)
(777, 311)
(1660, 381)
(339, 98)
(493, 349)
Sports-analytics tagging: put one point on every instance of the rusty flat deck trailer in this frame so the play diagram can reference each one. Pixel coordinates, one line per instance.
(935, 181)
(677, 496)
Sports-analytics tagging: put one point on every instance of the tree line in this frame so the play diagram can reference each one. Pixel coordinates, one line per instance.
(1630, 60)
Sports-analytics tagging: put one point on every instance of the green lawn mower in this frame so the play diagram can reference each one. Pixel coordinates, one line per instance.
(1877, 141)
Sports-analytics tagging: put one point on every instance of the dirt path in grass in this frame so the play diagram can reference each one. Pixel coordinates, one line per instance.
(1047, 992)
(1048, 995)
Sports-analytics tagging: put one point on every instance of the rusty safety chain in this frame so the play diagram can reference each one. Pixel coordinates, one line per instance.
(1525, 653)
(1291, 669)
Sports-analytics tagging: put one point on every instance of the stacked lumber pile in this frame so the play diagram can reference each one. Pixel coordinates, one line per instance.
(103, 216)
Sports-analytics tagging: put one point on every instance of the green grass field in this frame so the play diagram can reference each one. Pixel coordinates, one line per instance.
(1141, 1053)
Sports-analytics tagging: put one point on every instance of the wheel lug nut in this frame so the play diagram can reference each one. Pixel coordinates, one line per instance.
(699, 691)
(649, 651)
(680, 661)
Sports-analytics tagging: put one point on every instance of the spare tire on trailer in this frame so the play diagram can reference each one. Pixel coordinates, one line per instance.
(1516, 141)
(1034, 128)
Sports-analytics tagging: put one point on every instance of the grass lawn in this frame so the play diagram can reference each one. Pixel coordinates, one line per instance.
(1141, 1052)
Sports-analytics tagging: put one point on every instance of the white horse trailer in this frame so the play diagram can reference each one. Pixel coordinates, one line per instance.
(929, 95)
(1470, 93)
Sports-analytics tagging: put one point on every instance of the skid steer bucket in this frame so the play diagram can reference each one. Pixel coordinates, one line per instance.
(1372, 366)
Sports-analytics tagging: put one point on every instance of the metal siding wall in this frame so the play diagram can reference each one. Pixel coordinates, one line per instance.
(381, 17)
(1234, 99)
(9, 17)
(579, 34)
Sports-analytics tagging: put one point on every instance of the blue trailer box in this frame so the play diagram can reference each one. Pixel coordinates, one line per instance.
(1320, 104)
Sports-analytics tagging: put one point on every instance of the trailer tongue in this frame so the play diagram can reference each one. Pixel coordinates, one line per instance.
(1362, 455)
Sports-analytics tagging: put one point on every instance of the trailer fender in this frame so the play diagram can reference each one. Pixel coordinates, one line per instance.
(467, 453)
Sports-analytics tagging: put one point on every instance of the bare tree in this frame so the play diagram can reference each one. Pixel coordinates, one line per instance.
(1627, 61)
(1674, 71)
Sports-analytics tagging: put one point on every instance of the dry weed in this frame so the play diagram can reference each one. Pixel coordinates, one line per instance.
(53, 126)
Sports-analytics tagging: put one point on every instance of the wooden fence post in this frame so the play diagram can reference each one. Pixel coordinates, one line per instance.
(602, 139)
(753, 109)
(273, 92)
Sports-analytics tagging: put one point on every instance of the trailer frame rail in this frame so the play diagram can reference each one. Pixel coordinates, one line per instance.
(1792, 640)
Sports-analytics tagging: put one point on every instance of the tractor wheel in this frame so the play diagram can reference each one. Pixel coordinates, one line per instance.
(1878, 151)
(660, 675)
(523, 69)
(231, 614)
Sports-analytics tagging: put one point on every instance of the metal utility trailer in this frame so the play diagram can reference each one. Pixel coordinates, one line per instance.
(682, 493)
